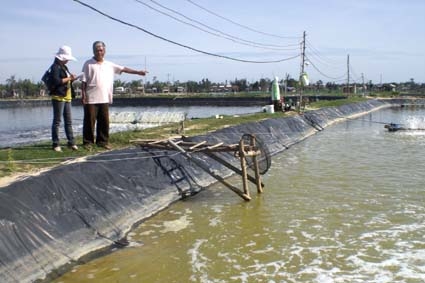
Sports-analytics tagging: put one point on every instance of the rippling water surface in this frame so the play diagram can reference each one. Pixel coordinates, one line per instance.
(345, 205)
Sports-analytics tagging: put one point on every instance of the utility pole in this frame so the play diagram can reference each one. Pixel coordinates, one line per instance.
(144, 79)
(348, 74)
(302, 71)
(286, 83)
(364, 86)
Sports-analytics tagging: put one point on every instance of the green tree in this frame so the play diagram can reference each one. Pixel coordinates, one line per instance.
(119, 83)
(191, 86)
(10, 86)
(265, 84)
(242, 85)
(27, 88)
(204, 85)
(255, 86)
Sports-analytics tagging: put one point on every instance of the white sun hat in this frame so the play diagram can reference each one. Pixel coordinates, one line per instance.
(65, 53)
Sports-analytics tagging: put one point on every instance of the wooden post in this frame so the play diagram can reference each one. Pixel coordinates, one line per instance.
(256, 169)
(243, 167)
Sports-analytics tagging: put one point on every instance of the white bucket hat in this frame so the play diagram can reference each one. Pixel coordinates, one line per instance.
(64, 53)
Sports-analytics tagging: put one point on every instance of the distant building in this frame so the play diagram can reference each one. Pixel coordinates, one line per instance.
(119, 89)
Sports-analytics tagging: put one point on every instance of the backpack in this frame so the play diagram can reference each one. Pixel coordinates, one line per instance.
(47, 79)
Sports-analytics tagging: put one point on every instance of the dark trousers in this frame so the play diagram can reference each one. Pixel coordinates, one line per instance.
(96, 113)
(62, 108)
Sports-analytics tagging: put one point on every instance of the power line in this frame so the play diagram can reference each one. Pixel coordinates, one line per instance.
(355, 76)
(240, 25)
(216, 31)
(180, 44)
(315, 54)
(322, 58)
(323, 74)
(314, 57)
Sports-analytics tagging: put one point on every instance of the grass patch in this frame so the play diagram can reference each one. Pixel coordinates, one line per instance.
(336, 103)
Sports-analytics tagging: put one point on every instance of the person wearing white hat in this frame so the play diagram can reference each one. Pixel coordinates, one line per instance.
(62, 93)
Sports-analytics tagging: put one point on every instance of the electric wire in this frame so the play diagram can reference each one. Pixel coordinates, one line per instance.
(216, 32)
(326, 60)
(180, 44)
(314, 55)
(322, 73)
(240, 25)
(318, 58)
(356, 77)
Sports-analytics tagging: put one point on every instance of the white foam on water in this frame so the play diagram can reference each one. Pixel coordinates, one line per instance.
(217, 208)
(215, 221)
(381, 256)
(176, 225)
(198, 262)
(155, 117)
(415, 122)
(147, 233)
(122, 117)
(263, 251)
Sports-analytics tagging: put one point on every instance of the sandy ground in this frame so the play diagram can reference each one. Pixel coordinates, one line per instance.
(7, 180)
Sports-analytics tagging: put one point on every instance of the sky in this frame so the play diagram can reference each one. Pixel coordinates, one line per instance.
(180, 40)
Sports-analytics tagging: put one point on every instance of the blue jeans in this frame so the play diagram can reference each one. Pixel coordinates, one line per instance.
(62, 108)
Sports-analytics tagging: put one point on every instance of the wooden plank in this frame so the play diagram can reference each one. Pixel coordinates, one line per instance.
(142, 140)
(197, 145)
(159, 141)
(215, 146)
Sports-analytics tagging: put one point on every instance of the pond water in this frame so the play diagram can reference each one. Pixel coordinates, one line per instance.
(345, 205)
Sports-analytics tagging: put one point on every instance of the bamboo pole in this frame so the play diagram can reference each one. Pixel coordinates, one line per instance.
(243, 167)
(256, 168)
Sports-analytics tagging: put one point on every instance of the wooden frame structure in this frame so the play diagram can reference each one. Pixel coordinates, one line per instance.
(241, 150)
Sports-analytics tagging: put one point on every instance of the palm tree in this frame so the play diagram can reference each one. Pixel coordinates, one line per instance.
(10, 85)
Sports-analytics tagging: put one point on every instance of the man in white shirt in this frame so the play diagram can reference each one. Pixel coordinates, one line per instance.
(97, 91)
